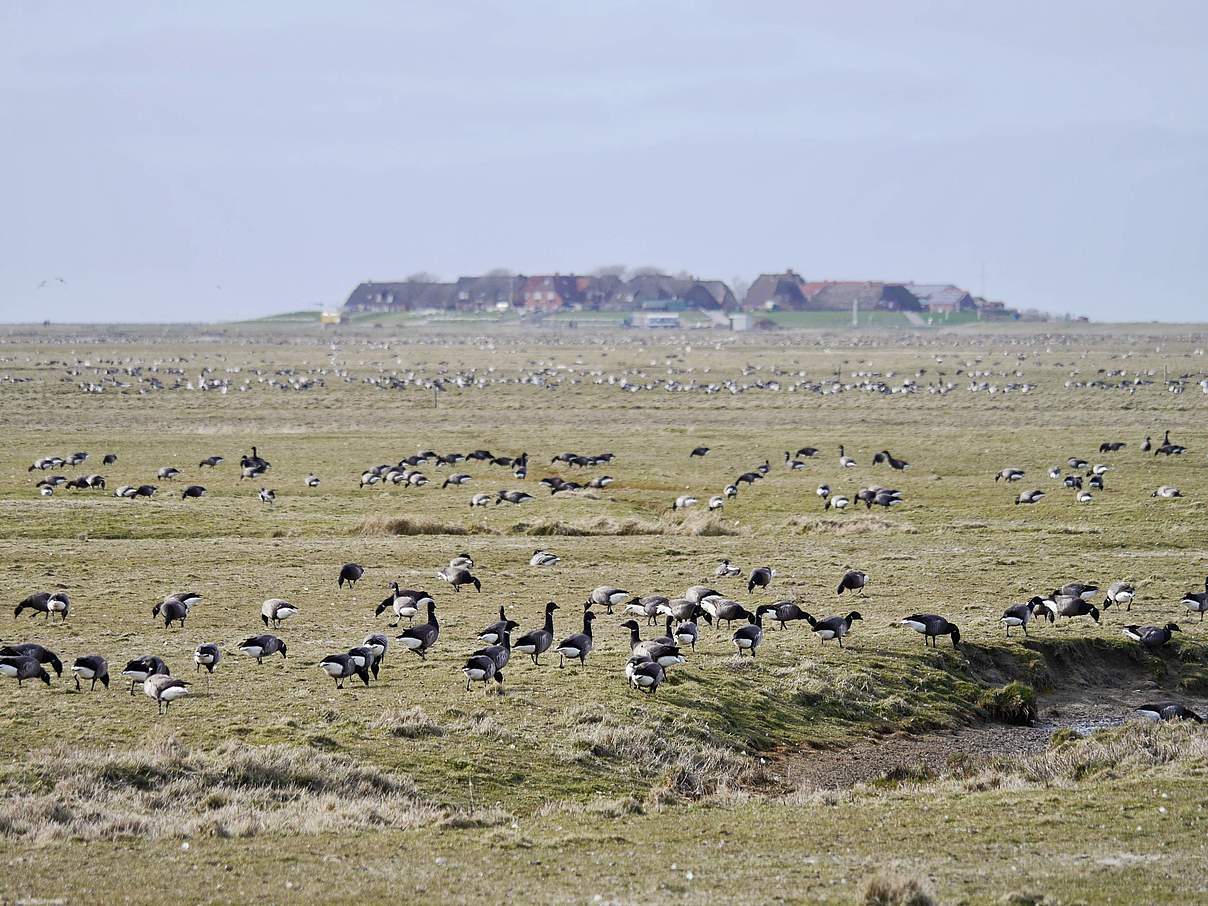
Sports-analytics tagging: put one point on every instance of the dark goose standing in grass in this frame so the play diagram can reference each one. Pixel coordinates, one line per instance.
(607, 596)
(207, 655)
(667, 655)
(172, 610)
(457, 576)
(650, 607)
(1070, 606)
(1197, 601)
(481, 668)
(932, 627)
(45, 603)
(275, 610)
(350, 573)
(644, 674)
(419, 639)
(1009, 474)
(379, 645)
(853, 580)
(493, 633)
(22, 668)
(747, 638)
(499, 654)
(1084, 590)
(725, 609)
(835, 627)
(687, 633)
(142, 667)
(761, 577)
(91, 667)
(341, 666)
(787, 612)
(39, 653)
(210, 462)
(364, 656)
(262, 646)
(578, 646)
(1168, 711)
(537, 642)
(699, 451)
(1029, 497)
(164, 689)
(1019, 615)
(405, 602)
(1152, 637)
(1120, 592)
(192, 491)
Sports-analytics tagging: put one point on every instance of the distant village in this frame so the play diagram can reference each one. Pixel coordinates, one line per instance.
(653, 294)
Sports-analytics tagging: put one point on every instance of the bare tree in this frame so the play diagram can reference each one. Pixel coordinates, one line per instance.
(740, 286)
(423, 277)
(609, 270)
(647, 270)
(500, 272)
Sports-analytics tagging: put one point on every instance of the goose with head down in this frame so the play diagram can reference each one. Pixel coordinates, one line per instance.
(835, 627)
(749, 637)
(932, 626)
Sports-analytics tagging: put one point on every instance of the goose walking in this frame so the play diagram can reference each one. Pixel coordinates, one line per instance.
(932, 627)
(1197, 601)
(341, 666)
(207, 655)
(537, 642)
(493, 633)
(481, 668)
(459, 576)
(578, 646)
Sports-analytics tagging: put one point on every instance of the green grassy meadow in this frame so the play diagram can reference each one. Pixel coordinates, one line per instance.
(570, 787)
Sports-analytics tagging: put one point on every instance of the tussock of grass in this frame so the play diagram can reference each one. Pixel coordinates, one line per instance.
(846, 526)
(167, 790)
(405, 525)
(883, 891)
(695, 524)
(408, 723)
(1014, 703)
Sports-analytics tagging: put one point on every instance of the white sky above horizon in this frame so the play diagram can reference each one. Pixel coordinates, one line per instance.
(185, 162)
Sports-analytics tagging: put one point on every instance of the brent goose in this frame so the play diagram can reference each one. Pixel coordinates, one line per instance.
(537, 642)
(577, 646)
(1152, 637)
(544, 558)
(457, 576)
(747, 638)
(1120, 592)
(39, 653)
(698, 451)
(644, 674)
(274, 610)
(142, 667)
(833, 627)
(493, 633)
(207, 655)
(1197, 601)
(761, 577)
(932, 626)
(1009, 474)
(1168, 711)
(405, 602)
(350, 573)
(172, 610)
(1019, 615)
(787, 612)
(22, 668)
(726, 569)
(607, 596)
(853, 580)
(419, 639)
(261, 646)
(46, 603)
(91, 667)
(164, 689)
(341, 666)
(1029, 497)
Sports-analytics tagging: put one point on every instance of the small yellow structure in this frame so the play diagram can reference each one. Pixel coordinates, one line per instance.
(331, 317)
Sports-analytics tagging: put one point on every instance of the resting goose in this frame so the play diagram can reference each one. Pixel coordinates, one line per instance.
(1019, 615)
(142, 667)
(932, 627)
(578, 646)
(350, 573)
(275, 610)
(761, 577)
(544, 558)
(807, 452)
(726, 569)
(91, 667)
(1152, 637)
(853, 580)
(261, 646)
(341, 666)
(419, 639)
(1120, 592)
(1168, 711)
(1167, 491)
(747, 638)
(537, 642)
(164, 689)
(1197, 601)
(459, 576)
(312, 480)
(833, 627)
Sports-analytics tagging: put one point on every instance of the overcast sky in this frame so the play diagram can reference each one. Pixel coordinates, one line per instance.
(208, 161)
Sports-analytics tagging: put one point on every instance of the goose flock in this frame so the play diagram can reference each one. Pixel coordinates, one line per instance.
(691, 622)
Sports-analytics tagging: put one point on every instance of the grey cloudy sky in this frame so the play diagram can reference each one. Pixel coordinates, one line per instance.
(206, 161)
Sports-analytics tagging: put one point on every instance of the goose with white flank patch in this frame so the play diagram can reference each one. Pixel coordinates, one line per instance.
(747, 638)
(932, 627)
(845, 461)
(267, 495)
(22, 668)
(853, 580)
(684, 501)
(726, 569)
(364, 656)
(544, 558)
(405, 602)
(578, 646)
(493, 633)
(457, 480)
(644, 674)
(1197, 601)
(823, 491)
(45, 603)
(420, 639)
(207, 655)
(513, 497)
(608, 597)
(898, 465)
(1009, 474)
(39, 653)
(480, 500)
(142, 667)
(649, 606)
(481, 668)
(350, 573)
(261, 646)
(837, 501)
(1167, 491)
(688, 633)
(716, 502)
(1168, 711)
(276, 610)
(164, 689)
(1070, 606)
(537, 642)
(761, 577)
(1019, 615)
(90, 667)
(499, 654)
(667, 655)
(459, 576)
(833, 627)
(725, 609)
(1120, 592)
(788, 612)
(341, 666)
(1029, 497)
(167, 473)
(1152, 637)
(462, 561)
(698, 451)
(312, 480)
(211, 462)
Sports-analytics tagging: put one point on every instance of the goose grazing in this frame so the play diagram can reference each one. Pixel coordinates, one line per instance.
(687, 633)
(275, 610)
(1073, 482)
(341, 666)
(1152, 637)
(726, 569)
(1167, 491)
(211, 462)
(787, 612)
(698, 593)
(164, 689)
(192, 491)
(207, 655)
(544, 558)
(844, 460)
(22, 668)
(261, 646)
(1168, 711)
(761, 577)
(537, 642)
(1084, 590)
(167, 473)
(658, 650)
(457, 479)
(480, 500)
(1197, 601)
(1120, 592)
(1019, 615)
(378, 645)
(1084, 497)
(39, 653)
(834, 627)
(823, 491)
(350, 573)
(90, 667)
(1096, 482)
(493, 633)
(684, 501)
(457, 576)
(498, 654)
(650, 607)
(1070, 606)
(608, 597)
(1055, 472)
(1009, 475)
(932, 627)
(807, 452)
(363, 656)
(405, 602)
(716, 502)
(838, 501)
(312, 480)
(644, 674)
(1114, 446)
(109, 459)
(791, 463)
(578, 646)
(853, 580)
(46, 491)
(267, 495)
(1029, 497)
(419, 639)
(725, 609)
(142, 667)
(172, 610)
(747, 638)
(187, 598)
(513, 497)
(45, 603)
(698, 451)
(462, 561)
(481, 668)
(730, 491)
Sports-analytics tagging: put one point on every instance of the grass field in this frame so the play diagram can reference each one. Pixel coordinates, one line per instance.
(270, 784)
